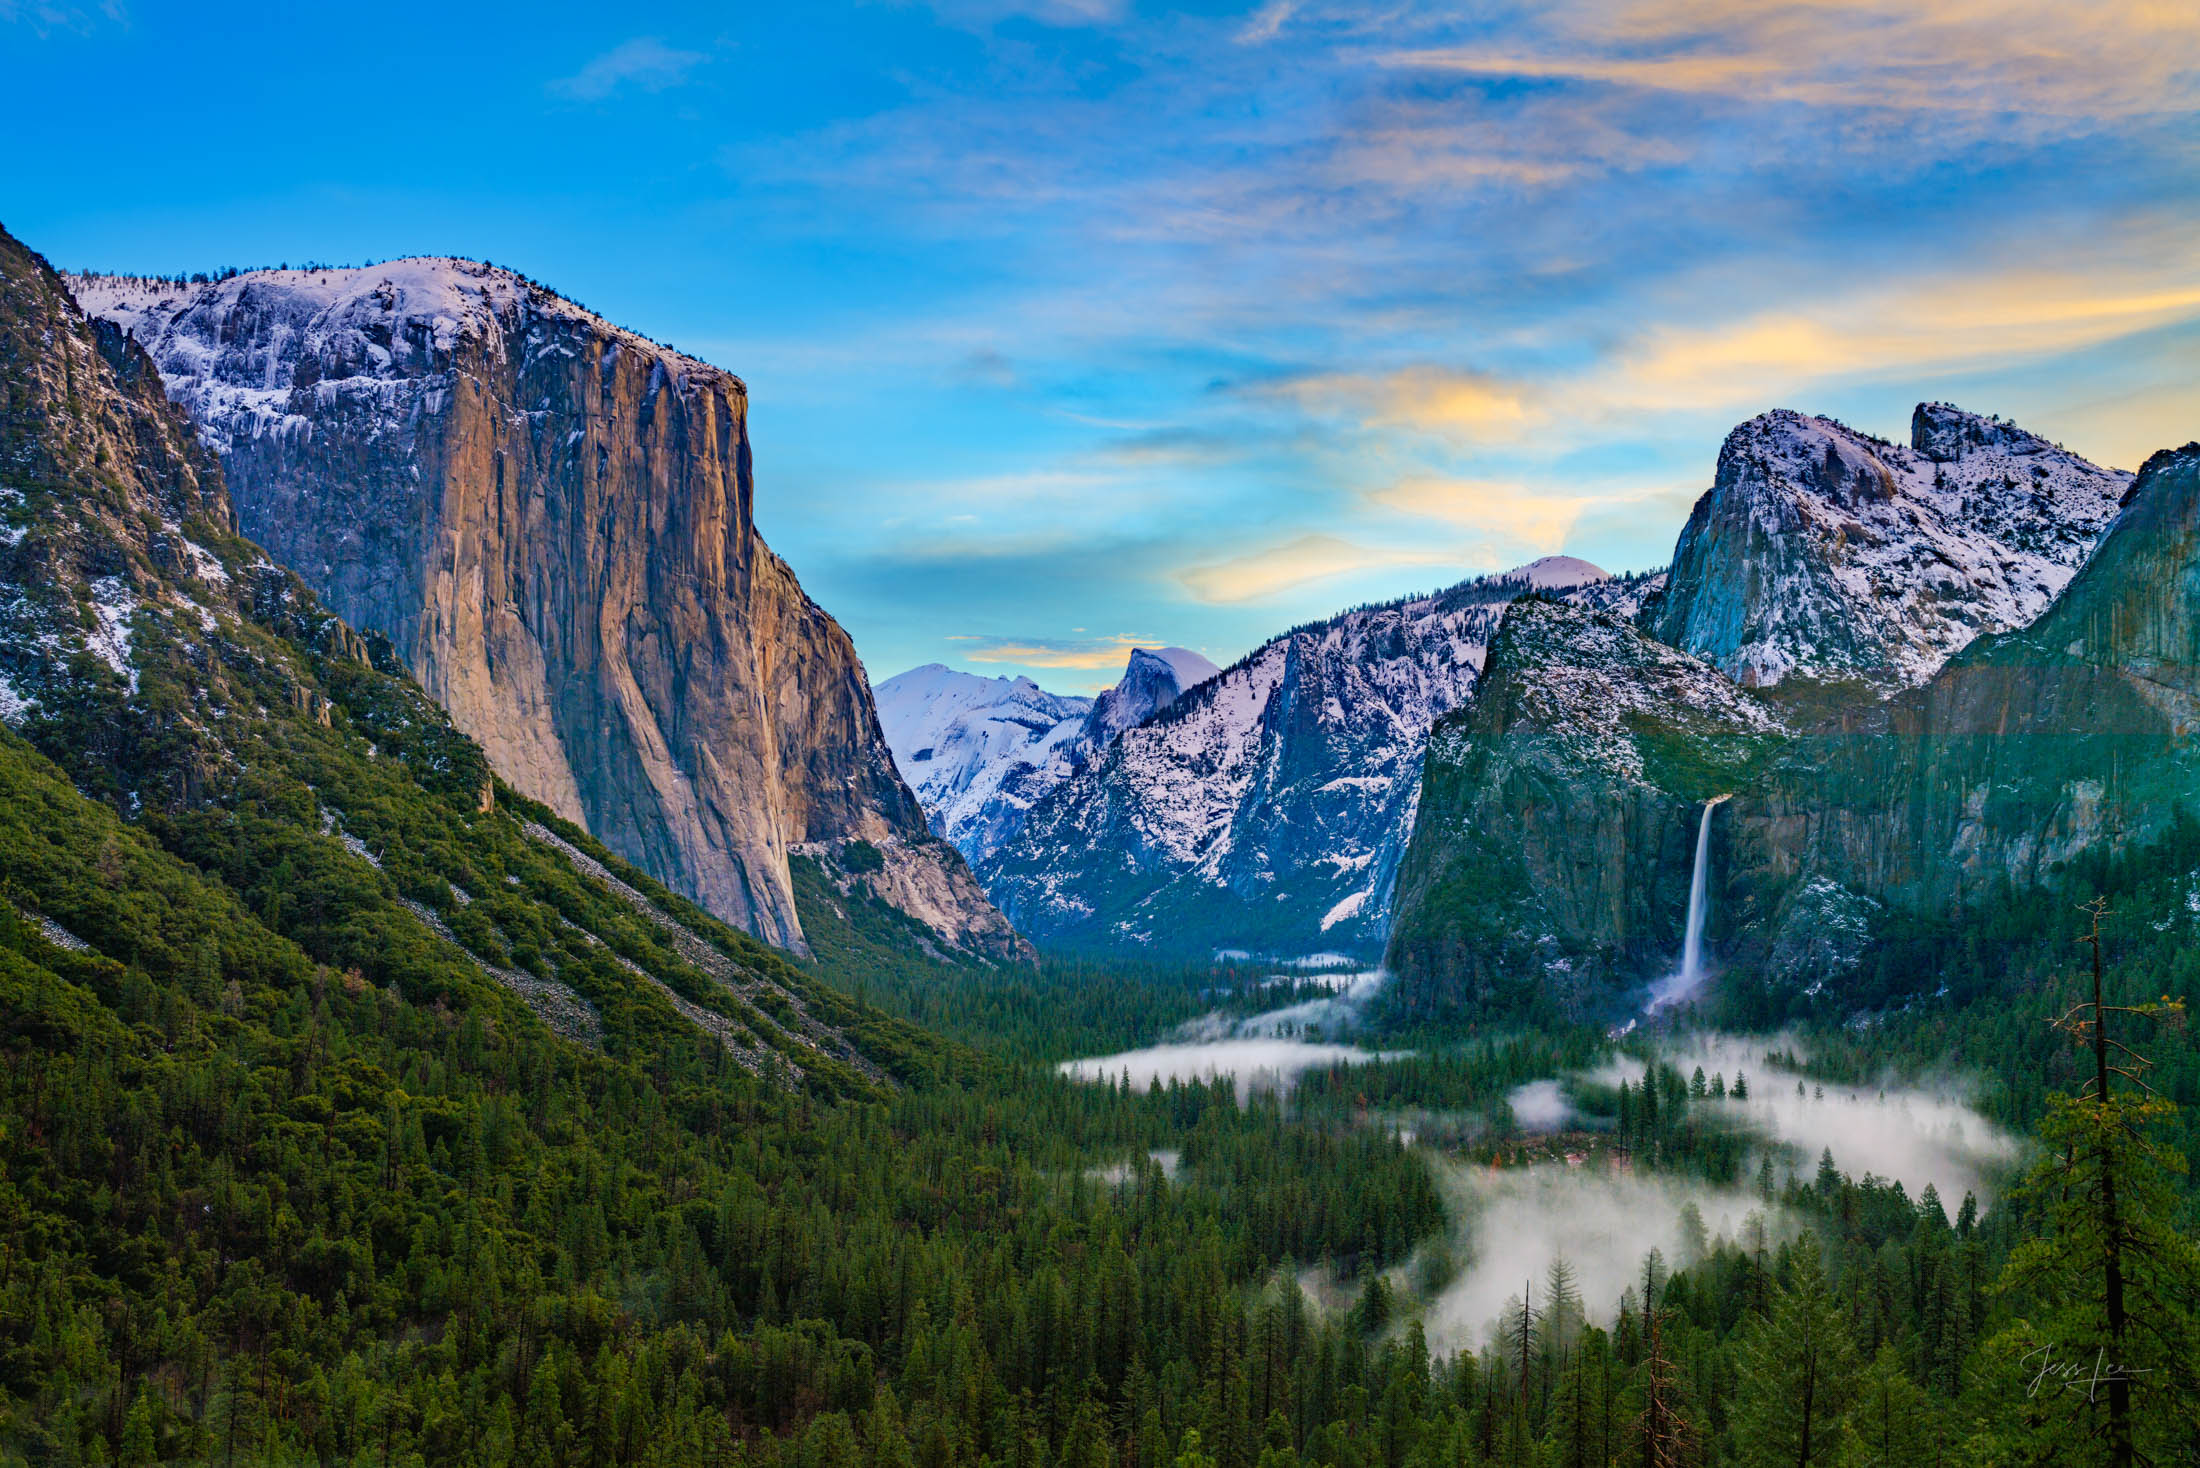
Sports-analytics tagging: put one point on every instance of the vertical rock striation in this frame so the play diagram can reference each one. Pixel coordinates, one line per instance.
(552, 520)
(2076, 731)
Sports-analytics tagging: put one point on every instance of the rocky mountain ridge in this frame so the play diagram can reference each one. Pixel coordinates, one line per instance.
(1267, 809)
(251, 749)
(2000, 638)
(980, 752)
(1823, 554)
(551, 519)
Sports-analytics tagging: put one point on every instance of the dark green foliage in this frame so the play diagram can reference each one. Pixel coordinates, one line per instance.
(256, 1202)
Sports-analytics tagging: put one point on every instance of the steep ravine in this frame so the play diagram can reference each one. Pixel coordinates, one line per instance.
(551, 520)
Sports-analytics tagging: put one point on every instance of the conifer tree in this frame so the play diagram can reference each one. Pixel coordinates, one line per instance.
(1796, 1371)
(2105, 1358)
(1665, 1437)
(1890, 1424)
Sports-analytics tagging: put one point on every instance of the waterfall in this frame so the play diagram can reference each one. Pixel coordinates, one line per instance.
(1683, 983)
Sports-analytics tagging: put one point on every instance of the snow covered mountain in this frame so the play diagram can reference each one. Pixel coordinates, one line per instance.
(1552, 857)
(1824, 554)
(552, 521)
(980, 752)
(1977, 614)
(1267, 809)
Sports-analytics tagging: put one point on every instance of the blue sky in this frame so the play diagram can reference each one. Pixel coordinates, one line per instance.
(1074, 324)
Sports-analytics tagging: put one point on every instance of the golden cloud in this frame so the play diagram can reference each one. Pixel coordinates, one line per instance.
(2064, 59)
(1100, 654)
(1921, 326)
(1430, 399)
(1294, 563)
(1510, 512)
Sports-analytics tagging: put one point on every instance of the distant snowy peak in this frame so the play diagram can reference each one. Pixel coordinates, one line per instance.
(1824, 553)
(1556, 573)
(1152, 680)
(1268, 806)
(921, 708)
(980, 751)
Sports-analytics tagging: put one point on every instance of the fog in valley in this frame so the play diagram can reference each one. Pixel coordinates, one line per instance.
(1262, 1052)
(1509, 1223)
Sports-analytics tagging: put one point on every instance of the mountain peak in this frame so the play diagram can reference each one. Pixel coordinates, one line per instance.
(1552, 573)
(1825, 552)
(1153, 678)
(1188, 668)
(1944, 433)
(372, 318)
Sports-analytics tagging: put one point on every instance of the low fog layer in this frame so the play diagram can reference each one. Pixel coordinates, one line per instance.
(1603, 1219)
(1262, 1052)
(1540, 1106)
(1913, 1133)
(1512, 1222)
(1256, 1064)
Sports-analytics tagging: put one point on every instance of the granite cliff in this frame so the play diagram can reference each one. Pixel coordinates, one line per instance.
(1825, 555)
(1266, 809)
(1552, 856)
(551, 520)
(267, 776)
(1920, 674)
(2073, 733)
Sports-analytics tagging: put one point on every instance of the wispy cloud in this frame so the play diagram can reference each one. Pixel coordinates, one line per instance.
(1535, 519)
(44, 17)
(1394, 293)
(1299, 562)
(2036, 58)
(1047, 12)
(1915, 328)
(645, 63)
(1093, 654)
(1268, 22)
(1446, 400)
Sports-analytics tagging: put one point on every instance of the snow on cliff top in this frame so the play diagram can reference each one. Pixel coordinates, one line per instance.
(1550, 573)
(450, 298)
(1827, 552)
(1587, 678)
(1188, 666)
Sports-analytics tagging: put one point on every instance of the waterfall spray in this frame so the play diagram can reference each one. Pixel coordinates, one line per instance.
(1688, 978)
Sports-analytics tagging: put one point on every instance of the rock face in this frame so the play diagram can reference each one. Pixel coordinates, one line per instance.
(1152, 680)
(1821, 554)
(551, 520)
(1551, 861)
(1267, 808)
(144, 646)
(980, 752)
(2075, 732)
(1966, 682)
(284, 766)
